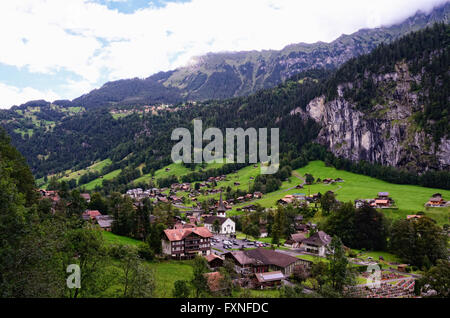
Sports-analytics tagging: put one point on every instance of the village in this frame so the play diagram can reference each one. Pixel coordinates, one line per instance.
(209, 231)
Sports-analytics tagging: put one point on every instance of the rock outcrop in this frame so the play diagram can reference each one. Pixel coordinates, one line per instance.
(386, 134)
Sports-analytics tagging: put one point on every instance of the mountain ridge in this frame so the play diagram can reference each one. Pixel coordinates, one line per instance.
(231, 74)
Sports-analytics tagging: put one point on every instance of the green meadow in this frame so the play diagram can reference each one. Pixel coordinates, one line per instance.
(98, 182)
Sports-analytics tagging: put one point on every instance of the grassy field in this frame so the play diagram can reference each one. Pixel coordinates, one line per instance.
(98, 182)
(408, 198)
(117, 239)
(69, 174)
(176, 169)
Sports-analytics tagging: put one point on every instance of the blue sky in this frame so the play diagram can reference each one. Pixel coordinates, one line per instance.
(53, 49)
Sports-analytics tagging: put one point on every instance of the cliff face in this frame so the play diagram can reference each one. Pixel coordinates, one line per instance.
(386, 134)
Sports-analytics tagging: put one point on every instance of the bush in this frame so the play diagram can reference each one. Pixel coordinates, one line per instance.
(145, 252)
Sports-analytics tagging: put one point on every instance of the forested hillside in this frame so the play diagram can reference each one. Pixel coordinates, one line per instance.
(141, 140)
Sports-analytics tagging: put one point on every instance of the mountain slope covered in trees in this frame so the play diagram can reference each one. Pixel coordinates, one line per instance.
(139, 141)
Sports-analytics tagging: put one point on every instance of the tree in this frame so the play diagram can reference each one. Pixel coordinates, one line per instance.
(225, 283)
(319, 272)
(438, 278)
(291, 292)
(300, 273)
(338, 272)
(420, 242)
(98, 203)
(309, 179)
(216, 226)
(342, 223)
(371, 229)
(181, 289)
(154, 239)
(199, 281)
(138, 279)
(328, 202)
(84, 247)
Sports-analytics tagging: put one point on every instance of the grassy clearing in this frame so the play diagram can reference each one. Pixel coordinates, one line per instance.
(409, 198)
(167, 273)
(176, 169)
(98, 182)
(112, 238)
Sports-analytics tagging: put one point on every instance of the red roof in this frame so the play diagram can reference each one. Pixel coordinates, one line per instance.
(92, 213)
(179, 234)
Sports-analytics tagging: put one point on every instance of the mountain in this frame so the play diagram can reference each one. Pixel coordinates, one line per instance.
(389, 107)
(225, 75)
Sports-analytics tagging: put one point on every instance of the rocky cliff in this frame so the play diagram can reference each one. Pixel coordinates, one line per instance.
(387, 133)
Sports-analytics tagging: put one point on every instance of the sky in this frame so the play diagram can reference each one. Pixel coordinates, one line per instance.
(53, 49)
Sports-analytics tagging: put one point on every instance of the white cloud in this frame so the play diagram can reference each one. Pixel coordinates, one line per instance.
(11, 95)
(94, 42)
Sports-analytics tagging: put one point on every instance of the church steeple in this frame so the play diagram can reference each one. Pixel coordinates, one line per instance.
(221, 209)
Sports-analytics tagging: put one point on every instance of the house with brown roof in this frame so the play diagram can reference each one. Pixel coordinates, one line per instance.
(296, 240)
(317, 243)
(186, 243)
(105, 222)
(262, 260)
(436, 201)
(214, 261)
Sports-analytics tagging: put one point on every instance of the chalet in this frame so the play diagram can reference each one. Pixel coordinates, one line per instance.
(382, 203)
(214, 261)
(90, 214)
(175, 199)
(240, 199)
(300, 196)
(328, 180)
(299, 186)
(227, 225)
(187, 243)
(51, 195)
(269, 279)
(262, 260)
(248, 196)
(287, 199)
(413, 216)
(249, 208)
(162, 199)
(317, 243)
(105, 222)
(296, 240)
(436, 201)
(237, 183)
(360, 202)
